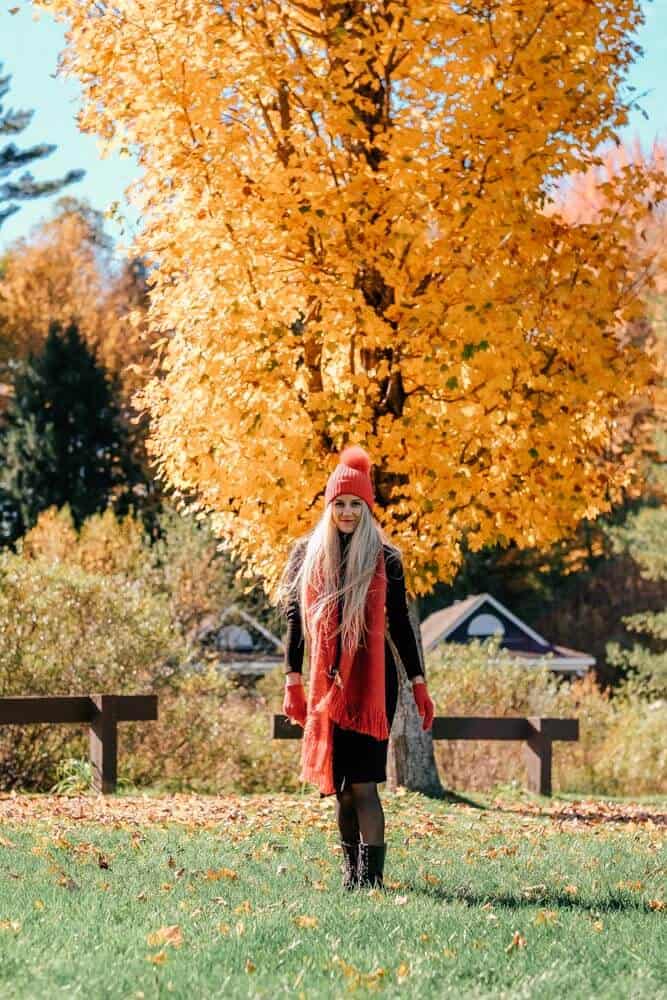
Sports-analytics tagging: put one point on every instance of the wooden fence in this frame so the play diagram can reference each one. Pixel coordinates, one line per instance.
(538, 734)
(102, 713)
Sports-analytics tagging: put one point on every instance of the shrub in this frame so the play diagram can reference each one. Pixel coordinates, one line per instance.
(66, 631)
(620, 748)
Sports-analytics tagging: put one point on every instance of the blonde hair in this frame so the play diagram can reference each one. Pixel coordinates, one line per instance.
(315, 562)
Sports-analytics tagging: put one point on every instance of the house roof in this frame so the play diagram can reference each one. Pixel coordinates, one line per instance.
(521, 640)
(214, 624)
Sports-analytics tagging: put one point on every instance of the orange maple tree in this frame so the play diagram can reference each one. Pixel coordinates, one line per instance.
(63, 271)
(583, 198)
(348, 203)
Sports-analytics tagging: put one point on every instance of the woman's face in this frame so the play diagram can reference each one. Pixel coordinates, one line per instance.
(347, 512)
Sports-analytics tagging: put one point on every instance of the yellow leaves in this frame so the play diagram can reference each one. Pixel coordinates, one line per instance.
(517, 943)
(159, 958)
(504, 850)
(10, 925)
(305, 921)
(356, 978)
(404, 232)
(631, 885)
(214, 875)
(170, 935)
(402, 972)
(657, 904)
(547, 917)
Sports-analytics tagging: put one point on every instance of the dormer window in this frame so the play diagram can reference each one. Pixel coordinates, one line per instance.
(485, 625)
(234, 638)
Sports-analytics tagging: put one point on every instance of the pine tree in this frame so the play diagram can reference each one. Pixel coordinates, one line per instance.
(12, 158)
(63, 440)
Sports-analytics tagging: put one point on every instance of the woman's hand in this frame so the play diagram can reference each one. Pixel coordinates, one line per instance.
(294, 702)
(425, 706)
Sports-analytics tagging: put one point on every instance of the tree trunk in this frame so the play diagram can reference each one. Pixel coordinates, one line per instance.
(410, 760)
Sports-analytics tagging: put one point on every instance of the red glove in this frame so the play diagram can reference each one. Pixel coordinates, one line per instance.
(294, 703)
(424, 704)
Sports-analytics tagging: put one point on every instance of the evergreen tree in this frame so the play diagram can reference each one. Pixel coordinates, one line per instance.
(12, 158)
(63, 439)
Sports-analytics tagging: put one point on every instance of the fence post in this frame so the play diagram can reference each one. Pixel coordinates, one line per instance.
(537, 754)
(103, 741)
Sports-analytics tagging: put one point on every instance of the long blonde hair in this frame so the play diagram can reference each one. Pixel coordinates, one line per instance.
(315, 561)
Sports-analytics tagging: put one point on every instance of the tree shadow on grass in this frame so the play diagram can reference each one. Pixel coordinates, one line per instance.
(613, 902)
(454, 798)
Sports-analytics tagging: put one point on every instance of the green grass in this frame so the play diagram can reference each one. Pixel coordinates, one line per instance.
(465, 878)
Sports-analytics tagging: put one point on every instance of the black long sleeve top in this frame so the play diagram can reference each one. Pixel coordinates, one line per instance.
(398, 620)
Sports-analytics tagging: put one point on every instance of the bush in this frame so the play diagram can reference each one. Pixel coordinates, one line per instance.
(620, 750)
(66, 631)
(213, 736)
(102, 609)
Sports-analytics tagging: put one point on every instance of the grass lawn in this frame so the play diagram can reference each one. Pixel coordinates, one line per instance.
(495, 895)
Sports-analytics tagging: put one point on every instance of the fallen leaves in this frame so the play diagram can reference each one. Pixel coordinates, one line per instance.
(305, 921)
(402, 972)
(159, 958)
(68, 883)
(214, 875)
(517, 943)
(546, 917)
(236, 812)
(169, 935)
(356, 978)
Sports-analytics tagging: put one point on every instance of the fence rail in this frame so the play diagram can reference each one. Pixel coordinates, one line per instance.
(102, 712)
(538, 733)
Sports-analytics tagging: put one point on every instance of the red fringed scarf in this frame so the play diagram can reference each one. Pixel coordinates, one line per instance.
(355, 698)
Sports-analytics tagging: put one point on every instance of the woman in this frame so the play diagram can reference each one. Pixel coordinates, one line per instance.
(342, 587)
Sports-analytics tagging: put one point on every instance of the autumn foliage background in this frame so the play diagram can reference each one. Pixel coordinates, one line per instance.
(393, 223)
(353, 208)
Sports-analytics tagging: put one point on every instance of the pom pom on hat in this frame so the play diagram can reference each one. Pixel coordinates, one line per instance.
(351, 475)
(356, 458)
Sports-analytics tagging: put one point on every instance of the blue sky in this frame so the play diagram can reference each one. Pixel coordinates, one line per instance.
(29, 50)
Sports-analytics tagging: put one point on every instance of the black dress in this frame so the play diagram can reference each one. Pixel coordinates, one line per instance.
(358, 756)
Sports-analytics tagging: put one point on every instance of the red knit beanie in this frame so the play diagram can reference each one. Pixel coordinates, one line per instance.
(351, 475)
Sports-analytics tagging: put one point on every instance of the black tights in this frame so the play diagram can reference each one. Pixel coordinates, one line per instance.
(359, 813)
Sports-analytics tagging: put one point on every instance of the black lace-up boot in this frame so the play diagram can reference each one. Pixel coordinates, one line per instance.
(371, 865)
(350, 865)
